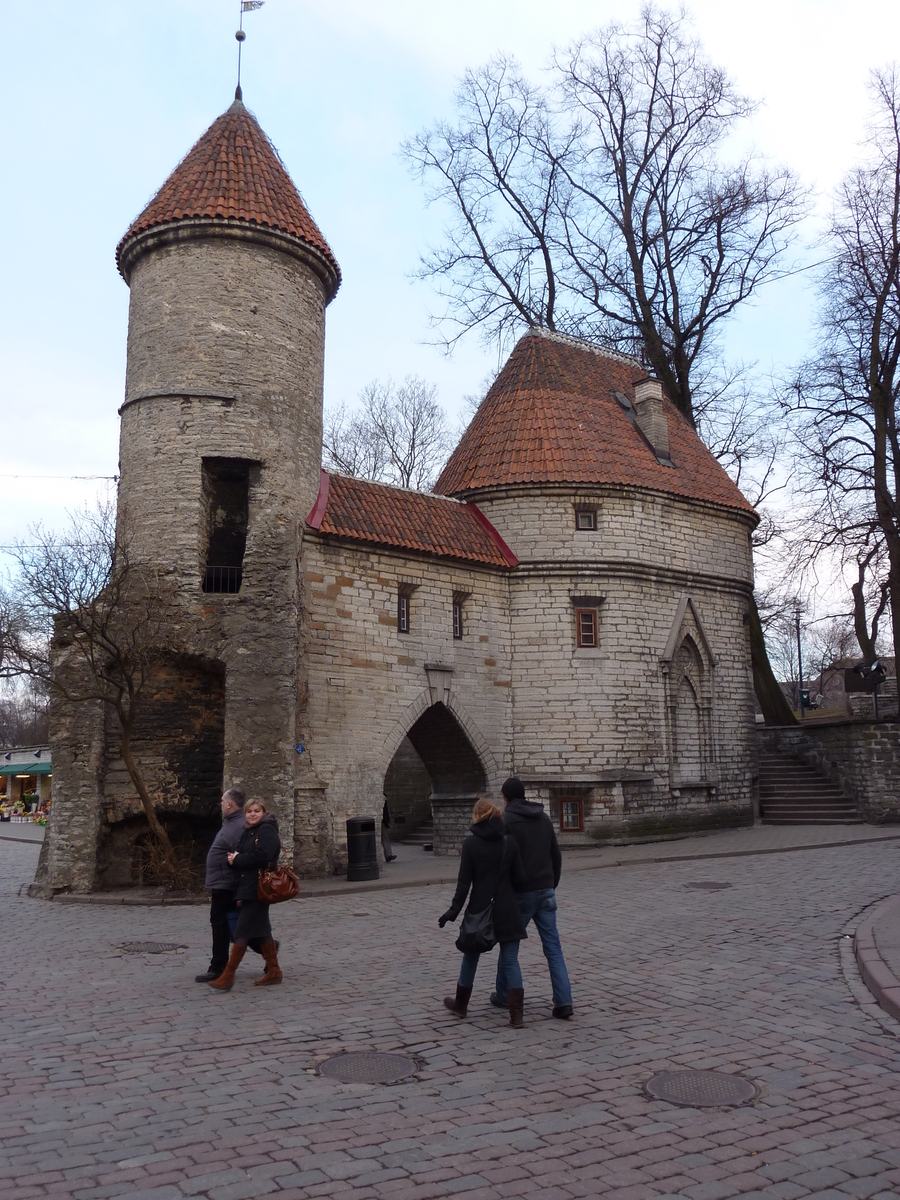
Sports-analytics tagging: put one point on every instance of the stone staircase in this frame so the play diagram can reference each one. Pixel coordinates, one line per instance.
(422, 835)
(792, 793)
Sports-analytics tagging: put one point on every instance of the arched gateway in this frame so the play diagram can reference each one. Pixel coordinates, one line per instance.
(435, 772)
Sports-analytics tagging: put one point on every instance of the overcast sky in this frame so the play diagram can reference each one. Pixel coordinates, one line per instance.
(103, 99)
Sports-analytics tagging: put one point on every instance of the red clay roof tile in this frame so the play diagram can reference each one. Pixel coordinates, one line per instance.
(551, 417)
(388, 516)
(234, 172)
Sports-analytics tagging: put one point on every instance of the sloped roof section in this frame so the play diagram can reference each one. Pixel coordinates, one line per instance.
(414, 521)
(233, 173)
(551, 416)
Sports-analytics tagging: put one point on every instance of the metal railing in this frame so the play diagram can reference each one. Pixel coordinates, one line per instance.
(223, 580)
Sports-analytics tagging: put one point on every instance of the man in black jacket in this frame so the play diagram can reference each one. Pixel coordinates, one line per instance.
(536, 838)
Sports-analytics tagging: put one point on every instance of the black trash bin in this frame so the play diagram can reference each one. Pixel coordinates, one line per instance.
(362, 856)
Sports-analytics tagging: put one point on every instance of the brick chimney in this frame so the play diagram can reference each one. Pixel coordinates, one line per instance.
(651, 416)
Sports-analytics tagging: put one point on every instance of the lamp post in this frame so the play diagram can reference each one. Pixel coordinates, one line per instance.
(799, 662)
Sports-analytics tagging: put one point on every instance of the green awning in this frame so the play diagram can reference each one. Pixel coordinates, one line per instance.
(35, 768)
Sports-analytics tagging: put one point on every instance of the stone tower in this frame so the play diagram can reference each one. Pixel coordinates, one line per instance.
(220, 452)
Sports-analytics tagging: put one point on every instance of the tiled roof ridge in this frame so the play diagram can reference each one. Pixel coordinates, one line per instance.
(566, 339)
(400, 518)
(395, 487)
(232, 176)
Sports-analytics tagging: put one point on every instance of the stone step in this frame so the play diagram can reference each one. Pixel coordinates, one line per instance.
(794, 793)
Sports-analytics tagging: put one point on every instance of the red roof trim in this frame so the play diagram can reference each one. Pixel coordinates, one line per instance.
(492, 534)
(316, 517)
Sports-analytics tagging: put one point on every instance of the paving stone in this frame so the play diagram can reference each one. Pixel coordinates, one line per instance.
(130, 1080)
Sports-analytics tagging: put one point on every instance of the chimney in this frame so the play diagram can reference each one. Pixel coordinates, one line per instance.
(651, 416)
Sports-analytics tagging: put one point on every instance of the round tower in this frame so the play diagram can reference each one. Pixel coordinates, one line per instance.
(220, 456)
(222, 421)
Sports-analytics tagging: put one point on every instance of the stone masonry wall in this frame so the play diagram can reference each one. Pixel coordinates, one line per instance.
(368, 684)
(601, 719)
(862, 756)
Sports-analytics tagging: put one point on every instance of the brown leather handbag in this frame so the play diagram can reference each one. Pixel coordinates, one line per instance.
(276, 884)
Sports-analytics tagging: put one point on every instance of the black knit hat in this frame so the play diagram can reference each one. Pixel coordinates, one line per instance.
(513, 789)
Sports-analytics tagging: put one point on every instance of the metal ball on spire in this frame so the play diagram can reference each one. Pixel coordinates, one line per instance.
(240, 35)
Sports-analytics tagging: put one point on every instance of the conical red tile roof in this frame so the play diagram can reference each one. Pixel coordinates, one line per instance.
(234, 173)
(551, 416)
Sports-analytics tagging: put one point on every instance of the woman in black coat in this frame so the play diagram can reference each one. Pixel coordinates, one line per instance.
(258, 848)
(490, 864)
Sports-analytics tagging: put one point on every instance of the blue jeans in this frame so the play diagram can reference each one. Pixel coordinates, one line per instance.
(540, 907)
(509, 965)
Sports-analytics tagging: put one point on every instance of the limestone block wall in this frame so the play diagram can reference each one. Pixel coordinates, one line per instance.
(601, 723)
(862, 756)
(368, 684)
(633, 526)
(68, 857)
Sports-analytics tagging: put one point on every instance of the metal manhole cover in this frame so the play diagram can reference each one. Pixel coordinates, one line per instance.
(150, 947)
(703, 886)
(367, 1066)
(700, 1089)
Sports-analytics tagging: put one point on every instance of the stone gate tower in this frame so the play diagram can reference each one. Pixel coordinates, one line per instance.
(220, 452)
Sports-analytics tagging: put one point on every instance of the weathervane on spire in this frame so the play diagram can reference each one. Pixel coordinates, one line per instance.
(246, 6)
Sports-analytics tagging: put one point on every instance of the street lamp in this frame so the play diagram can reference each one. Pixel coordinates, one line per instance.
(799, 662)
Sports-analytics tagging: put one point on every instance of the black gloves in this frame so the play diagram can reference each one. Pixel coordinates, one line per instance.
(448, 916)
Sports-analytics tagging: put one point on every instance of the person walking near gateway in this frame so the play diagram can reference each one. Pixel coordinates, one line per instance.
(258, 849)
(535, 836)
(221, 881)
(490, 865)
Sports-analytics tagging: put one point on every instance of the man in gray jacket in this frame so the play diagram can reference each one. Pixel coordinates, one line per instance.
(535, 836)
(221, 880)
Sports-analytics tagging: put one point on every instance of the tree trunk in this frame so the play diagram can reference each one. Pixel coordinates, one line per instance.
(149, 811)
(775, 708)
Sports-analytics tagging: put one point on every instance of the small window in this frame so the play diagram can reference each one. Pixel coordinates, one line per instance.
(585, 518)
(402, 614)
(457, 619)
(571, 816)
(586, 627)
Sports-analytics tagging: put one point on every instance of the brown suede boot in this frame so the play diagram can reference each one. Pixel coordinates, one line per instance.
(225, 982)
(458, 1004)
(516, 1007)
(273, 971)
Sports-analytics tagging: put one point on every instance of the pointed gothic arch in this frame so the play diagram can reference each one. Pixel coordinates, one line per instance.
(688, 667)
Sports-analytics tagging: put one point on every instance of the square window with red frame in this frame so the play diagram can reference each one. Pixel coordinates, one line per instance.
(571, 815)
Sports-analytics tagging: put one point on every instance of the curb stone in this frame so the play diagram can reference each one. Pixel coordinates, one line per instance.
(877, 975)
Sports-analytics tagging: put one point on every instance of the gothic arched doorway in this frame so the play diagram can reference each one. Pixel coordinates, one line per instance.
(435, 774)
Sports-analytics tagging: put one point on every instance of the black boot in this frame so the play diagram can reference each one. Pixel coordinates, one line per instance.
(516, 1007)
(459, 1004)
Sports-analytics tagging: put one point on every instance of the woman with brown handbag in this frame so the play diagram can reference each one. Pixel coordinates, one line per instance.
(258, 848)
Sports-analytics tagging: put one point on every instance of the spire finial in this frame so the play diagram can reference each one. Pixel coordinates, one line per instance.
(246, 6)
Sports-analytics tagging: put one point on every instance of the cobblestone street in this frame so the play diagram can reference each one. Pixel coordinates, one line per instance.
(122, 1077)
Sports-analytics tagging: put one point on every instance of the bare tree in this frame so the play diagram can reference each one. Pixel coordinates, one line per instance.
(399, 435)
(845, 399)
(92, 625)
(605, 206)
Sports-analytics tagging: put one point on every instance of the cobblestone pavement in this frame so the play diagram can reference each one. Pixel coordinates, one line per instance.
(122, 1077)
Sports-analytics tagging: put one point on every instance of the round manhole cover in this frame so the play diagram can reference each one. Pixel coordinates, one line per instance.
(150, 947)
(704, 886)
(367, 1066)
(700, 1089)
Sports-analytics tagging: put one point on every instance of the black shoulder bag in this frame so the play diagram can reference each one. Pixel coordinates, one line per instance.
(476, 932)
